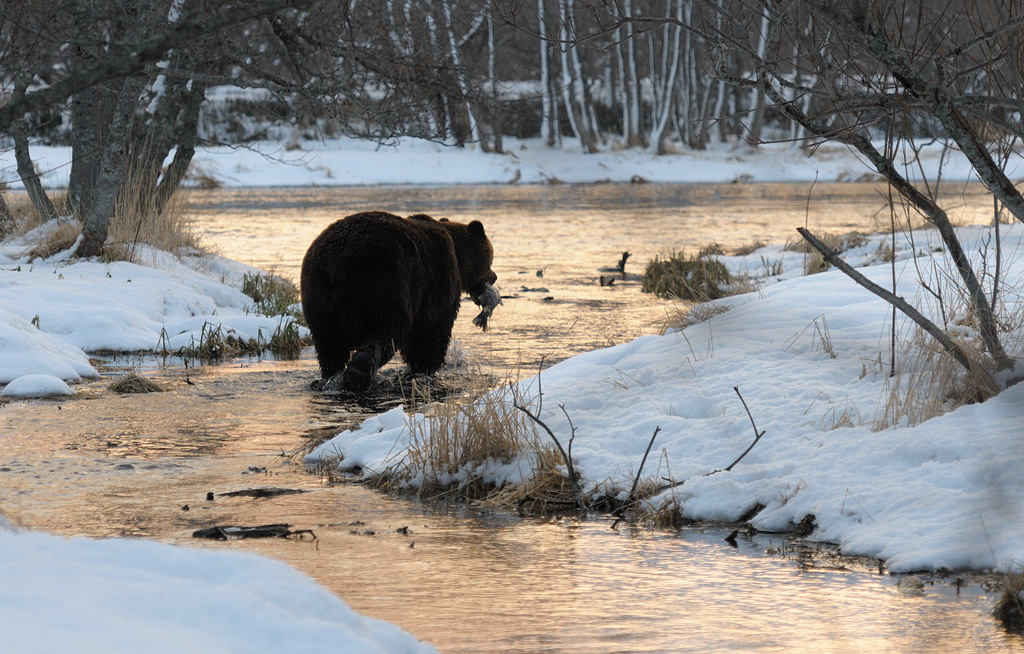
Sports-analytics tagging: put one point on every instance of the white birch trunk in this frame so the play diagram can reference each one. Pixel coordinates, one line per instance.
(460, 73)
(752, 121)
(661, 121)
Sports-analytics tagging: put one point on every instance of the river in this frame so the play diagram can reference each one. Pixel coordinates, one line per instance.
(468, 579)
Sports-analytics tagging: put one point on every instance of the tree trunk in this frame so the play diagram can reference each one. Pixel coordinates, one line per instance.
(495, 107)
(96, 222)
(755, 113)
(668, 84)
(6, 219)
(186, 148)
(633, 135)
(460, 73)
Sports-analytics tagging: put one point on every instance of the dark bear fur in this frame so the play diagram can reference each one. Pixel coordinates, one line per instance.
(376, 283)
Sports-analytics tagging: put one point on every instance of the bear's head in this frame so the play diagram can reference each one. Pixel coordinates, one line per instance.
(475, 254)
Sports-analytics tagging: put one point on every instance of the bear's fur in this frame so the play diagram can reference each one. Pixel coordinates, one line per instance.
(375, 283)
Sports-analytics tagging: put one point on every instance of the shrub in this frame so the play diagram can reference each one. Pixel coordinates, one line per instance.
(699, 278)
(273, 295)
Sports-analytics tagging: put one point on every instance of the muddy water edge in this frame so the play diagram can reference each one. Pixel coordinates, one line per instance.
(466, 579)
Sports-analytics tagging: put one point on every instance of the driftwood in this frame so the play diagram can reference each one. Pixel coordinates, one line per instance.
(263, 491)
(226, 532)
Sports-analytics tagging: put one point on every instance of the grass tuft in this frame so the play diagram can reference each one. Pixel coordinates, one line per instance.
(1009, 607)
(134, 383)
(273, 295)
(700, 278)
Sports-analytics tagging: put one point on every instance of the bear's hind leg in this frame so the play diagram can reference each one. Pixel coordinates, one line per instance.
(424, 352)
(364, 364)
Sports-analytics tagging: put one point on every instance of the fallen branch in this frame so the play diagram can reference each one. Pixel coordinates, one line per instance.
(942, 337)
(565, 457)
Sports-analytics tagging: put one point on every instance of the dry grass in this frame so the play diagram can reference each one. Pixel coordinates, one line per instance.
(684, 314)
(456, 452)
(201, 178)
(749, 248)
(930, 383)
(461, 439)
(134, 383)
(61, 235)
(698, 278)
(1009, 607)
(273, 295)
(136, 220)
(813, 261)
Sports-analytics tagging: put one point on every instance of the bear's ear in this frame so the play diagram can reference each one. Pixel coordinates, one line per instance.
(476, 228)
(443, 220)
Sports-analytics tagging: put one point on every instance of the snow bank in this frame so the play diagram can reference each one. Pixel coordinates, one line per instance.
(810, 357)
(129, 595)
(52, 311)
(37, 386)
(353, 162)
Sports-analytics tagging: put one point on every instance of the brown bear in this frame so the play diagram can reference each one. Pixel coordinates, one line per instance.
(376, 283)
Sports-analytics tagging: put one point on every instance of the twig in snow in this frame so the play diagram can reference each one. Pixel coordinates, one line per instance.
(636, 481)
(757, 437)
(565, 457)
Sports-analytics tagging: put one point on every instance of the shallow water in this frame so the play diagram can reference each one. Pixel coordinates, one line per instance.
(468, 581)
(568, 233)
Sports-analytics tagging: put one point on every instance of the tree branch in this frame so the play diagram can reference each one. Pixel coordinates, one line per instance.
(942, 337)
(145, 53)
(573, 482)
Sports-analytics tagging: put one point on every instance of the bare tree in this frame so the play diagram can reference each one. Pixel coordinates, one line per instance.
(903, 68)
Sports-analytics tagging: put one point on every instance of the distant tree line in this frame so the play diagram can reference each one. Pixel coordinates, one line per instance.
(127, 82)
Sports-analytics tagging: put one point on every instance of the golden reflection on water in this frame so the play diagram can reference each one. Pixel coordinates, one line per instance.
(568, 233)
(108, 465)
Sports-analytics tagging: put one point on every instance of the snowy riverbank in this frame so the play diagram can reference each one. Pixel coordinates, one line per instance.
(810, 356)
(945, 493)
(350, 162)
(120, 595)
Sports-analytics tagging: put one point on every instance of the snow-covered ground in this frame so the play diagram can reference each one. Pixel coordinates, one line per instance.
(350, 162)
(53, 311)
(120, 595)
(810, 356)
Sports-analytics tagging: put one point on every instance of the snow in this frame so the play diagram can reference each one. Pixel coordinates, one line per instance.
(945, 493)
(806, 353)
(63, 595)
(352, 162)
(37, 386)
(54, 311)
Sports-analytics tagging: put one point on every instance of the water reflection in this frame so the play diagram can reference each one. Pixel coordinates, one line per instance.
(107, 465)
(104, 465)
(567, 233)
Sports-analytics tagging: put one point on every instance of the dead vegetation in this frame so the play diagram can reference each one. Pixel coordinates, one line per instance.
(1009, 606)
(132, 382)
(814, 262)
(700, 278)
(457, 449)
(133, 223)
